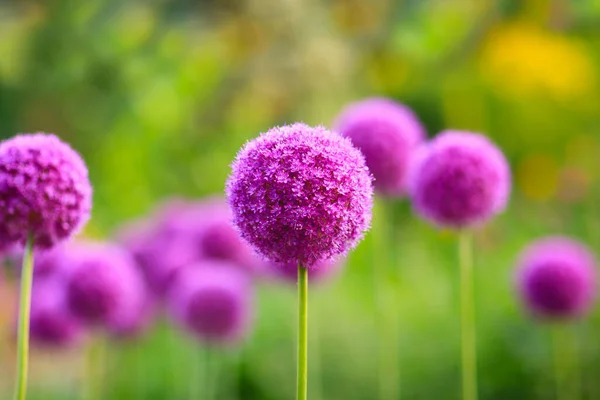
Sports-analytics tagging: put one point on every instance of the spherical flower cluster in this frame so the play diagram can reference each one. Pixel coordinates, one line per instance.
(158, 252)
(319, 272)
(44, 190)
(192, 232)
(213, 301)
(300, 194)
(51, 323)
(556, 278)
(208, 226)
(47, 262)
(387, 133)
(100, 281)
(459, 179)
(136, 314)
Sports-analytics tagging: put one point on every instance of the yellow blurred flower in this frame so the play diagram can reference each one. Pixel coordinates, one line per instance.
(520, 59)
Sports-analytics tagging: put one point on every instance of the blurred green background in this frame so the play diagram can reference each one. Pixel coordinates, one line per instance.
(158, 96)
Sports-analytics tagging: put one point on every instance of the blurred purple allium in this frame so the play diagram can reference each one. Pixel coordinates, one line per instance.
(209, 227)
(47, 262)
(51, 323)
(158, 250)
(100, 281)
(459, 179)
(388, 134)
(44, 190)
(195, 231)
(135, 316)
(213, 301)
(300, 194)
(319, 272)
(556, 278)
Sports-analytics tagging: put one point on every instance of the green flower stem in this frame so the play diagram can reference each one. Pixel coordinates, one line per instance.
(566, 368)
(467, 318)
(24, 311)
(302, 369)
(386, 286)
(95, 363)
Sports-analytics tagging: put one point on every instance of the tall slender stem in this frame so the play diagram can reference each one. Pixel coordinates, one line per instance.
(199, 377)
(386, 286)
(467, 318)
(302, 369)
(566, 368)
(24, 311)
(212, 363)
(315, 363)
(94, 369)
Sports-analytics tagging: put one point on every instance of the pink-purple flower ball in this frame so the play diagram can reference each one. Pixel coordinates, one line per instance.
(100, 281)
(46, 262)
(300, 194)
(135, 316)
(556, 278)
(44, 190)
(388, 134)
(51, 323)
(210, 231)
(321, 271)
(459, 179)
(159, 252)
(213, 301)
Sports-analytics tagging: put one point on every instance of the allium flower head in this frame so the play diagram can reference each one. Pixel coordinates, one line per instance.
(387, 133)
(213, 301)
(208, 226)
(459, 179)
(158, 250)
(100, 281)
(556, 278)
(47, 262)
(136, 314)
(300, 194)
(51, 323)
(44, 190)
(289, 272)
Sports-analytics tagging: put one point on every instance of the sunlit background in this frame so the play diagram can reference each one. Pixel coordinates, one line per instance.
(158, 96)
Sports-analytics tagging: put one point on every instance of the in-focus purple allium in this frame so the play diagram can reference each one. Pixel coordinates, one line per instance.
(44, 190)
(388, 134)
(212, 301)
(459, 179)
(300, 194)
(319, 272)
(100, 281)
(556, 278)
(51, 323)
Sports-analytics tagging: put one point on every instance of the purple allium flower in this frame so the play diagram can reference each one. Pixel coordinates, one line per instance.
(321, 271)
(208, 226)
(300, 194)
(99, 282)
(44, 190)
(135, 316)
(158, 250)
(213, 301)
(388, 134)
(47, 262)
(51, 323)
(459, 179)
(556, 278)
